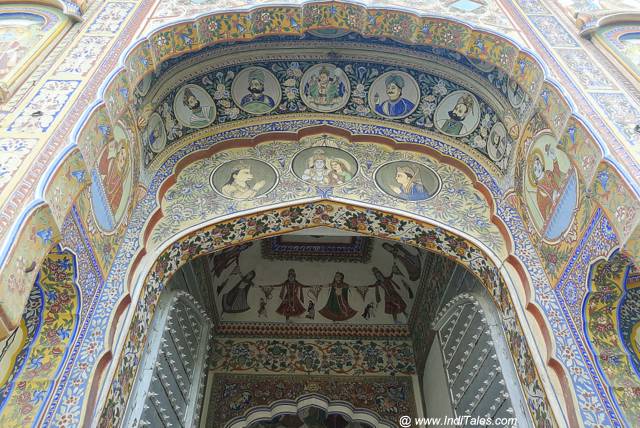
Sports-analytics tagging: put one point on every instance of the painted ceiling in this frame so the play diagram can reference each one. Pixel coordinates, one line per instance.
(316, 279)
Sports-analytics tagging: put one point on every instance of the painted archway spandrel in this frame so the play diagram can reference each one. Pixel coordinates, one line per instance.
(611, 284)
(30, 385)
(39, 233)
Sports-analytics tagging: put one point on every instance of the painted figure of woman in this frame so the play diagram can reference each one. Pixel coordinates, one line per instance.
(291, 296)
(339, 173)
(235, 300)
(411, 187)
(337, 307)
(237, 186)
(393, 302)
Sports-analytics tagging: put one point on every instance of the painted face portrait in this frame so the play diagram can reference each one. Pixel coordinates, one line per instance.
(394, 95)
(243, 179)
(458, 114)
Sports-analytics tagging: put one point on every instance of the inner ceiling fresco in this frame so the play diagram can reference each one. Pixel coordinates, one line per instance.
(226, 127)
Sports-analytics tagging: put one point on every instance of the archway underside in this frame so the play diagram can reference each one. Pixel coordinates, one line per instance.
(183, 112)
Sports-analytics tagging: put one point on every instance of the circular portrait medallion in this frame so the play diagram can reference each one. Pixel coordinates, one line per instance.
(324, 166)
(154, 135)
(325, 88)
(194, 107)
(498, 143)
(394, 95)
(407, 180)
(256, 90)
(243, 179)
(458, 114)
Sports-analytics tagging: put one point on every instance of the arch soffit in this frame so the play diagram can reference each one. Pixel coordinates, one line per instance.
(551, 106)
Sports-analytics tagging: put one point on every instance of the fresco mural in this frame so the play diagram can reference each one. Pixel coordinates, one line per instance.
(113, 181)
(251, 286)
(48, 329)
(551, 187)
(325, 88)
(194, 107)
(256, 90)
(243, 179)
(394, 95)
(324, 166)
(409, 181)
(609, 331)
(457, 114)
(387, 398)
(620, 214)
(360, 88)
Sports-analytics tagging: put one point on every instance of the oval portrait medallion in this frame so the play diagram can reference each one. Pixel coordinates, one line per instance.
(498, 143)
(154, 135)
(243, 179)
(325, 88)
(112, 184)
(407, 180)
(458, 114)
(324, 166)
(256, 90)
(551, 187)
(194, 107)
(394, 95)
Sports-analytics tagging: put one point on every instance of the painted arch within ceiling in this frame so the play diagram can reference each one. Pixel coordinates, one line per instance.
(547, 107)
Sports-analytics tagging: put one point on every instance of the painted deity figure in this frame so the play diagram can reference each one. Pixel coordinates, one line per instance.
(291, 296)
(325, 90)
(237, 186)
(393, 302)
(256, 101)
(454, 125)
(337, 307)
(410, 185)
(317, 170)
(339, 173)
(200, 114)
(395, 105)
(113, 167)
(235, 300)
